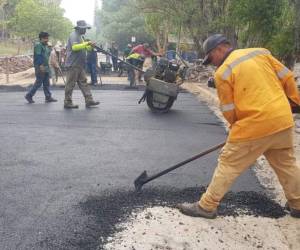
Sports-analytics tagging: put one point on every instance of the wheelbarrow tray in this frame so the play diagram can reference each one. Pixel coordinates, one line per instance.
(163, 88)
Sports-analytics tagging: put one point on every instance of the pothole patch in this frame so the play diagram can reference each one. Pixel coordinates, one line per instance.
(109, 210)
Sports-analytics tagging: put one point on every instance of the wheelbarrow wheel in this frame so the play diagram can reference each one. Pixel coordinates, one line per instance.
(158, 107)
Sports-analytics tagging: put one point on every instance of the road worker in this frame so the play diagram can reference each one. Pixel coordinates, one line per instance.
(42, 70)
(77, 49)
(256, 93)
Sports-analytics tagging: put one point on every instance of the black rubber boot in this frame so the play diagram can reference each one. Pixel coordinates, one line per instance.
(194, 210)
(293, 212)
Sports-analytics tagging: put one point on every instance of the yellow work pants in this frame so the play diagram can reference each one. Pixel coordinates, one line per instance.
(235, 158)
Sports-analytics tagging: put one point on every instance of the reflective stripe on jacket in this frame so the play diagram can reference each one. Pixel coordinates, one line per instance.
(253, 88)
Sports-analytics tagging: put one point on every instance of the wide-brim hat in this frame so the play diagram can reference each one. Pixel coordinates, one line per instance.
(82, 25)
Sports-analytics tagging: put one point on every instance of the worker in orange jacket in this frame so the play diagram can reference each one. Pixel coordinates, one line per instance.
(256, 93)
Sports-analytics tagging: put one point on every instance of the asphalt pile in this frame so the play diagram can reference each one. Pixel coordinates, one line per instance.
(107, 211)
(15, 64)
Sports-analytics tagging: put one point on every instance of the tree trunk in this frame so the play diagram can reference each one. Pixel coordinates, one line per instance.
(297, 28)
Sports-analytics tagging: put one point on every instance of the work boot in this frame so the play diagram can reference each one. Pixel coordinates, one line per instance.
(50, 99)
(70, 106)
(293, 212)
(91, 104)
(194, 210)
(29, 99)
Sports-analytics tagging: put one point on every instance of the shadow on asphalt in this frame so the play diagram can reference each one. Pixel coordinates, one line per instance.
(106, 211)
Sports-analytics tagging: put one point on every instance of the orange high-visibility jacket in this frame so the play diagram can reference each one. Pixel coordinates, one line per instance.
(254, 90)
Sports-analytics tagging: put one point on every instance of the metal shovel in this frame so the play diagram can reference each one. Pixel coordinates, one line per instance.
(144, 178)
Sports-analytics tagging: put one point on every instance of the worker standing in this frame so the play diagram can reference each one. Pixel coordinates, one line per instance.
(256, 93)
(42, 70)
(92, 64)
(127, 51)
(75, 63)
(136, 60)
(115, 52)
(54, 64)
(145, 51)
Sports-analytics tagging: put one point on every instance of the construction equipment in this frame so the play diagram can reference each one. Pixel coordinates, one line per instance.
(163, 81)
(144, 178)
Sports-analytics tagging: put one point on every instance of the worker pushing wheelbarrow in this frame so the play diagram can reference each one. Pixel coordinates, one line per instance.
(162, 82)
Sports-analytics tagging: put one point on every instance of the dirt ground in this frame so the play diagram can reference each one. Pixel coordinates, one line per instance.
(165, 228)
(27, 78)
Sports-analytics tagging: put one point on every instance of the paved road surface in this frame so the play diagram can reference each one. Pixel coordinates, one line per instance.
(54, 162)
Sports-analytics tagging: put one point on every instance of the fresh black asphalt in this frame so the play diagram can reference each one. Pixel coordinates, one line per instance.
(66, 176)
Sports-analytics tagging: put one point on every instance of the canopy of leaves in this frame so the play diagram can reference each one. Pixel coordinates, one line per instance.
(263, 23)
(32, 16)
(118, 21)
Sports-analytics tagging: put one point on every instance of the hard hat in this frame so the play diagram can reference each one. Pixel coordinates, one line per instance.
(211, 43)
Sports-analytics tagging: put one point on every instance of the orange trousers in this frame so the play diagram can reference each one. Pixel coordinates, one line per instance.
(235, 158)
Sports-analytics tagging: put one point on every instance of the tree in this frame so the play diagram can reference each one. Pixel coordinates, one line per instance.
(7, 8)
(197, 18)
(274, 24)
(159, 27)
(256, 20)
(31, 17)
(118, 21)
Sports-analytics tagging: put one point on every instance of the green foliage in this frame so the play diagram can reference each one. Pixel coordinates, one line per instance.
(282, 42)
(197, 18)
(274, 24)
(257, 20)
(118, 21)
(31, 17)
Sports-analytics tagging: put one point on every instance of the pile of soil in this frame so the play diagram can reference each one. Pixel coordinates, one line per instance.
(16, 64)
